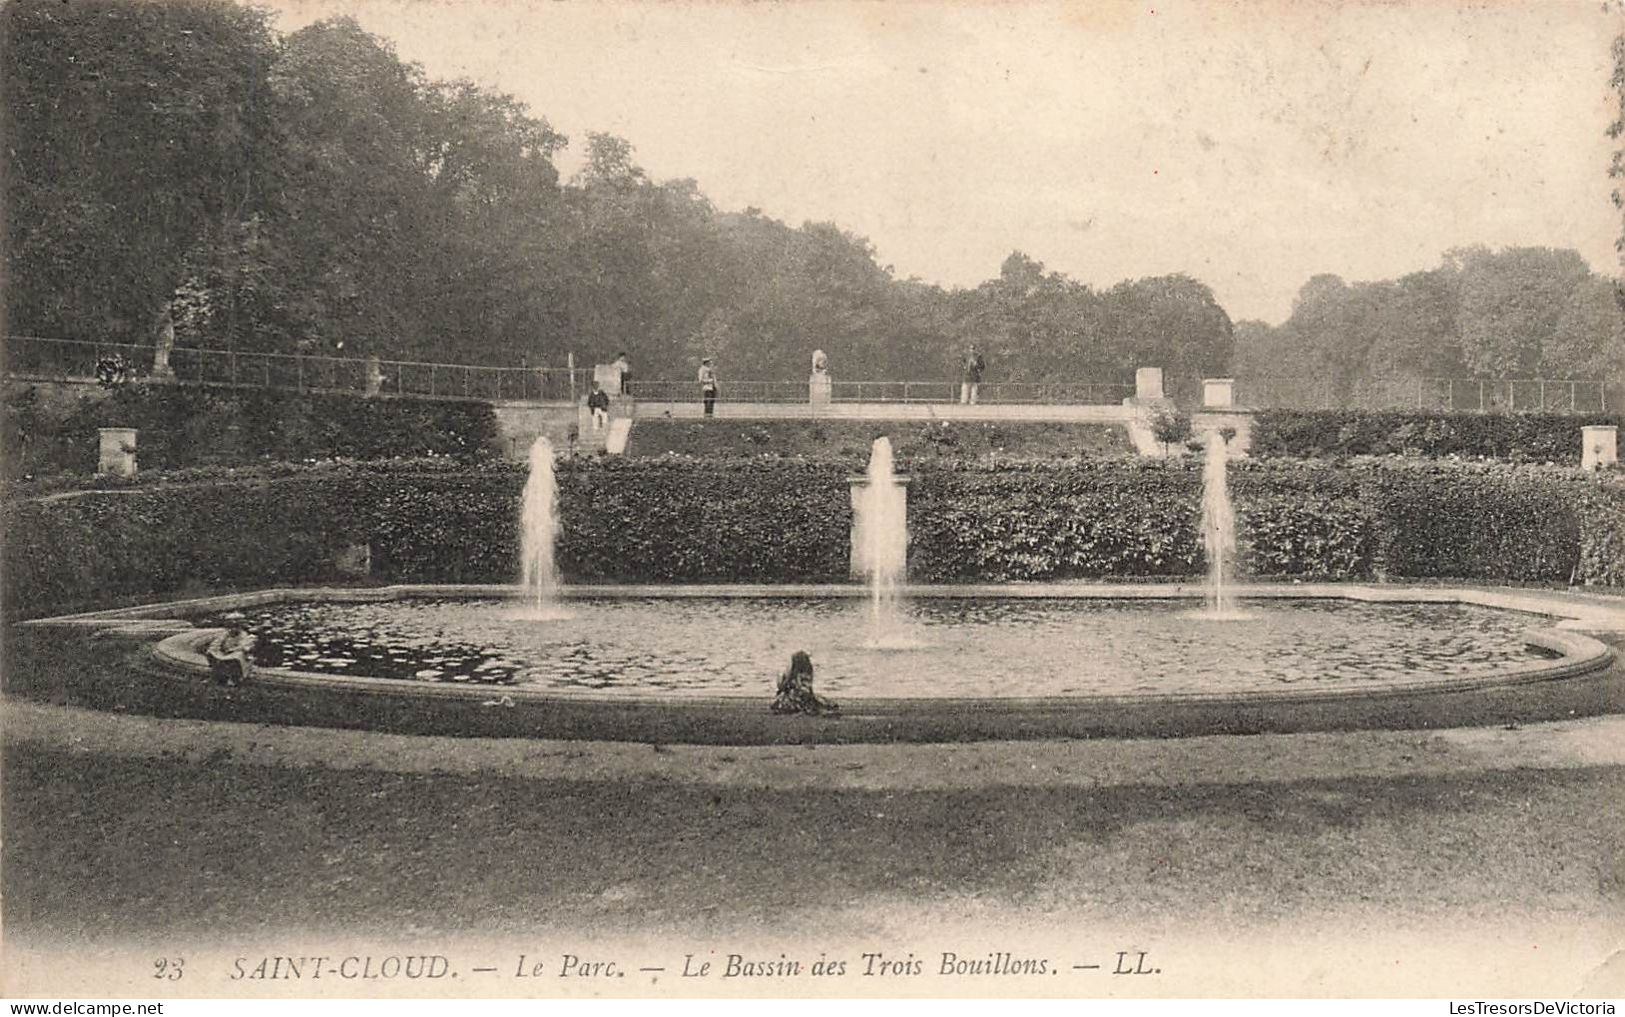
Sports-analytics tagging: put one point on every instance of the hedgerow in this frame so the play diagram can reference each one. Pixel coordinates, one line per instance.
(189, 426)
(783, 520)
(1517, 437)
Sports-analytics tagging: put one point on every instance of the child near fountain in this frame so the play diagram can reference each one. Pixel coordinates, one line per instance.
(796, 689)
(228, 653)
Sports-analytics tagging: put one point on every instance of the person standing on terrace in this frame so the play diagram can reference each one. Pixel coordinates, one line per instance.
(971, 379)
(598, 403)
(623, 367)
(708, 385)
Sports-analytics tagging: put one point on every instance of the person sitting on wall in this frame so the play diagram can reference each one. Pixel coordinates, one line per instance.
(228, 653)
(796, 689)
(113, 370)
(598, 403)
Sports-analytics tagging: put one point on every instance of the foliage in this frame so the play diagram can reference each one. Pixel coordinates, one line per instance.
(1111, 519)
(675, 520)
(134, 131)
(851, 442)
(186, 426)
(1171, 428)
(1602, 536)
(1520, 312)
(1494, 523)
(1525, 437)
(784, 520)
(1616, 129)
(316, 193)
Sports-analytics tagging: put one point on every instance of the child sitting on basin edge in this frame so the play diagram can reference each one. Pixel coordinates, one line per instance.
(796, 689)
(227, 653)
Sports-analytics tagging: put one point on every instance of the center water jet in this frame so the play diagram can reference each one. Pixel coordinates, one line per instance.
(881, 540)
(539, 530)
(1218, 527)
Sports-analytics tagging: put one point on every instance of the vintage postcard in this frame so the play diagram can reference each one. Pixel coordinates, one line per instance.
(930, 499)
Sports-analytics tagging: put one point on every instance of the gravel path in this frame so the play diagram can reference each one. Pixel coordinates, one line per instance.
(1273, 758)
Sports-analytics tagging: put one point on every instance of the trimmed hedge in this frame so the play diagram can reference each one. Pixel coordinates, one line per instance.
(849, 441)
(666, 521)
(184, 426)
(673, 520)
(1519, 437)
(1090, 519)
(774, 520)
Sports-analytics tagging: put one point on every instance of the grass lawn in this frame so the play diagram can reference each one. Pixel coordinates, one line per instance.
(161, 846)
(850, 440)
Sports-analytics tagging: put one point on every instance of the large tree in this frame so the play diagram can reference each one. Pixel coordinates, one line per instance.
(172, 163)
(135, 133)
(1510, 304)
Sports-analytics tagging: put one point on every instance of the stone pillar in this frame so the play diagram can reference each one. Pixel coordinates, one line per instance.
(818, 389)
(1148, 383)
(375, 376)
(354, 560)
(116, 451)
(161, 370)
(857, 485)
(1599, 447)
(1218, 393)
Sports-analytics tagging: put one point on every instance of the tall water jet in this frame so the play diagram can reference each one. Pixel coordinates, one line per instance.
(539, 521)
(1218, 526)
(881, 539)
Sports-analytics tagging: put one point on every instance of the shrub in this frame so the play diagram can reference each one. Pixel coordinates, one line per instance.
(676, 520)
(1090, 519)
(1519, 437)
(184, 426)
(1171, 428)
(1602, 537)
(1304, 522)
(849, 441)
(780, 520)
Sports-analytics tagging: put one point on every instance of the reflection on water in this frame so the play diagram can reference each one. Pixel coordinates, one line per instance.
(956, 647)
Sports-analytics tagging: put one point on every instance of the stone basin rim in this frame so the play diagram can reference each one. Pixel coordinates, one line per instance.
(178, 652)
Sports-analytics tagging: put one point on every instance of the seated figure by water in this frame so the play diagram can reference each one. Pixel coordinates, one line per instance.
(796, 689)
(228, 656)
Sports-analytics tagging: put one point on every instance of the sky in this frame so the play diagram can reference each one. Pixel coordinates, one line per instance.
(1248, 144)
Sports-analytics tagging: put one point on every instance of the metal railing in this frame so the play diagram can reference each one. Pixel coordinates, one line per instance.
(77, 359)
(1454, 395)
(31, 357)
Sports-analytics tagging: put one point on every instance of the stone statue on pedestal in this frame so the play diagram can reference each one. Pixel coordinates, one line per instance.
(818, 386)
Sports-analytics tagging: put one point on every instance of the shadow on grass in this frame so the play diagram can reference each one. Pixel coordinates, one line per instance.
(98, 846)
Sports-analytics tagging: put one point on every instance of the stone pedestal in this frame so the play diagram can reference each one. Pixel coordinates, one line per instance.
(608, 377)
(354, 560)
(1148, 383)
(858, 485)
(818, 389)
(1599, 447)
(116, 451)
(1218, 393)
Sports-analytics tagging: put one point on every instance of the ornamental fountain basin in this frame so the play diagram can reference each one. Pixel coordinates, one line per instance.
(999, 645)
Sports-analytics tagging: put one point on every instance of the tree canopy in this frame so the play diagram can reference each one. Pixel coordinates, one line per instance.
(1521, 312)
(179, 166)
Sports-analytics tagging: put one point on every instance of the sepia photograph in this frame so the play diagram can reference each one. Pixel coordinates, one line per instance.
(505, 499)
